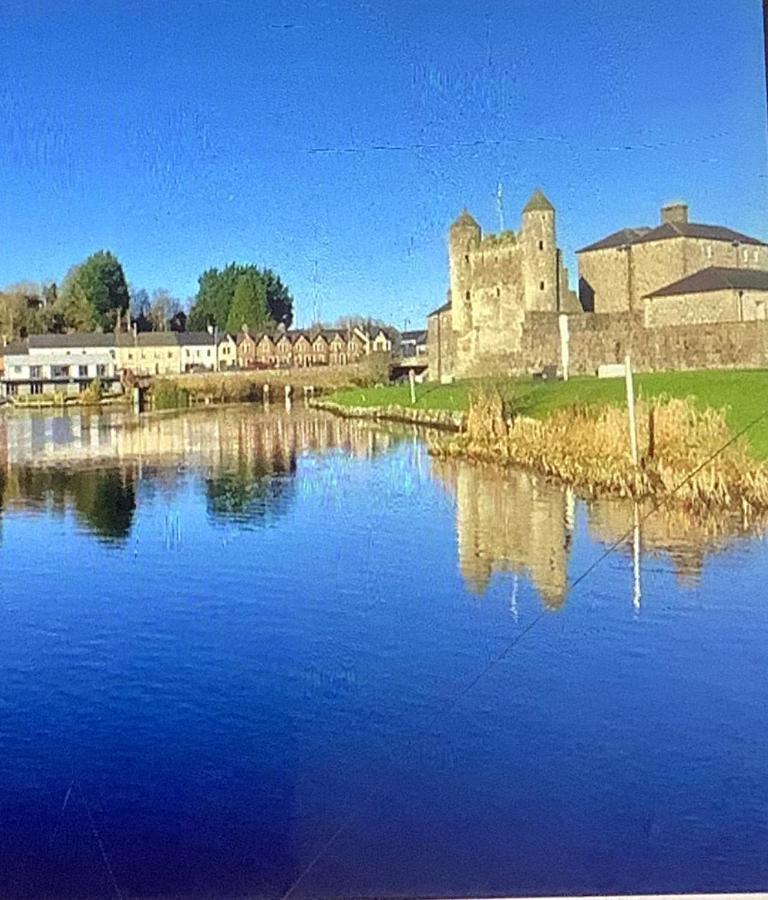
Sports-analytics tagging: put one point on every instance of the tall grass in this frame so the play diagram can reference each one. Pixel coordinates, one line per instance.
(588, 448)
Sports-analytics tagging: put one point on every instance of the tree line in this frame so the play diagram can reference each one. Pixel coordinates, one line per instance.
(95, 296)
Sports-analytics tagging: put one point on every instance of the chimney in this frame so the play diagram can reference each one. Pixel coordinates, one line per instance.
(674, 213)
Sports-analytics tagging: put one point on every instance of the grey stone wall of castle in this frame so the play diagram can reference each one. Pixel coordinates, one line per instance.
(680, 295)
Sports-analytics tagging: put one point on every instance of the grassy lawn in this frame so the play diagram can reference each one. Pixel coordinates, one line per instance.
(744, 392)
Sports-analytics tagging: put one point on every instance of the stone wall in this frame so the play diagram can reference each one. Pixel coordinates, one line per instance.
(616, 279)
(596, 339)
(703, 308)
(441, 349)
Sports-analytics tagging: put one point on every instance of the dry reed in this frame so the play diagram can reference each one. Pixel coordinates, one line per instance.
(588, 448)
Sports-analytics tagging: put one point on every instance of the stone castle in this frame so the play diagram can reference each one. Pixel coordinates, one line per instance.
(650, 290)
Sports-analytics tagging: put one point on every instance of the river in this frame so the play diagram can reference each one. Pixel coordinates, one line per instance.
(253, 653)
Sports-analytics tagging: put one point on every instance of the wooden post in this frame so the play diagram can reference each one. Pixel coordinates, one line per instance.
(631, 410)
(412, 383)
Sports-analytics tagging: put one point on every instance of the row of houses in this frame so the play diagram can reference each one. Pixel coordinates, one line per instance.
(70, 362)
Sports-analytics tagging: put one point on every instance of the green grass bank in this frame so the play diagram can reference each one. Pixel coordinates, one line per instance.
(743, 393)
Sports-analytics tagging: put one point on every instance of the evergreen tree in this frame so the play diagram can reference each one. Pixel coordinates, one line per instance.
(249, 304)
(94, 292)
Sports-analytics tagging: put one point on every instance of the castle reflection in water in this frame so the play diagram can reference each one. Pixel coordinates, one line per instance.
(514, 521)
(506, 520)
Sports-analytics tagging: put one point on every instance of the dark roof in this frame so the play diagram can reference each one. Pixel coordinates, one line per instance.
(669, 230)
(617, 239)
(538, 202)
(194, 338)
(76, 339)
(716, 278)
(418, 336)
(440, 309)
(14, 348)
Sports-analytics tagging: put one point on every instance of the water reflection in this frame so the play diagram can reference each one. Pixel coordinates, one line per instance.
(93, 464)
(512, 521)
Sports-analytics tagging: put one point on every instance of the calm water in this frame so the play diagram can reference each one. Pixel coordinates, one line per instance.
(236, 644)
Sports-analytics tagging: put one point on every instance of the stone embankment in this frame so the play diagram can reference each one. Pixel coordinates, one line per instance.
(443, 419)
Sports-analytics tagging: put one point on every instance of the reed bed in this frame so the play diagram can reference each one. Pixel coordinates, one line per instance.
(587, 447)
(247, 386)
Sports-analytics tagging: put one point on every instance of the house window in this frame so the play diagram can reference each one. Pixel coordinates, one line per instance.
(17, 369)
(541, 245)
(541, 285)
(11, 389)
(36, 388)
(130, 356)
(101, 370)
(170, 356)
(82, 371)
(35, 371)
(59, 371)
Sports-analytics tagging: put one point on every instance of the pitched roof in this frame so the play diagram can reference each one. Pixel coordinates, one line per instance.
(14, 348)
(76, 339)
(669, 230)
(617, 239)
(440, 309)
(418, 336)
(716, 278)
(538, 201)
(465, 219)
(194, 338)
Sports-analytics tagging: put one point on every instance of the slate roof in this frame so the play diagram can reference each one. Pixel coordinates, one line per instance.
(194, 338)
(76, 339)
(440, 309)
(419, 337)
(669, 230)
(538, 202)
(14, 348)
(716, 278)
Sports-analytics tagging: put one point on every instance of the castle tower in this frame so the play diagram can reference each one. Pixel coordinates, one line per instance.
(540, 259)
(464, 237)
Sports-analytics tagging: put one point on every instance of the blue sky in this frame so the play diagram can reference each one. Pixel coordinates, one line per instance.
(336, 141)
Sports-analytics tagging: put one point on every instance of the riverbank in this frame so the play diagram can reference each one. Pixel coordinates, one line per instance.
(741, 393)
(178, 391)
(443, 419)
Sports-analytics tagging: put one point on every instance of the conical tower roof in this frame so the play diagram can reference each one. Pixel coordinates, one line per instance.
(464, 220)
(538, 202)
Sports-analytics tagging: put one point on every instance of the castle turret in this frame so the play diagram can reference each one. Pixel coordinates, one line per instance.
(540, 261)
(464, 237)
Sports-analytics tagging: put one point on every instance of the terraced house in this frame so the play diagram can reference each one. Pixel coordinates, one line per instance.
(286, 349)
(66, 363)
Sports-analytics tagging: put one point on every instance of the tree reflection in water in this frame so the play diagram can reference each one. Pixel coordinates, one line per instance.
(251, 492)
(103, 500)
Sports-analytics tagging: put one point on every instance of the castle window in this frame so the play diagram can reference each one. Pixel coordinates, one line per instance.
(498, 292)
(541, 245)
(467, 296)
(466, 258)
(541, 285)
